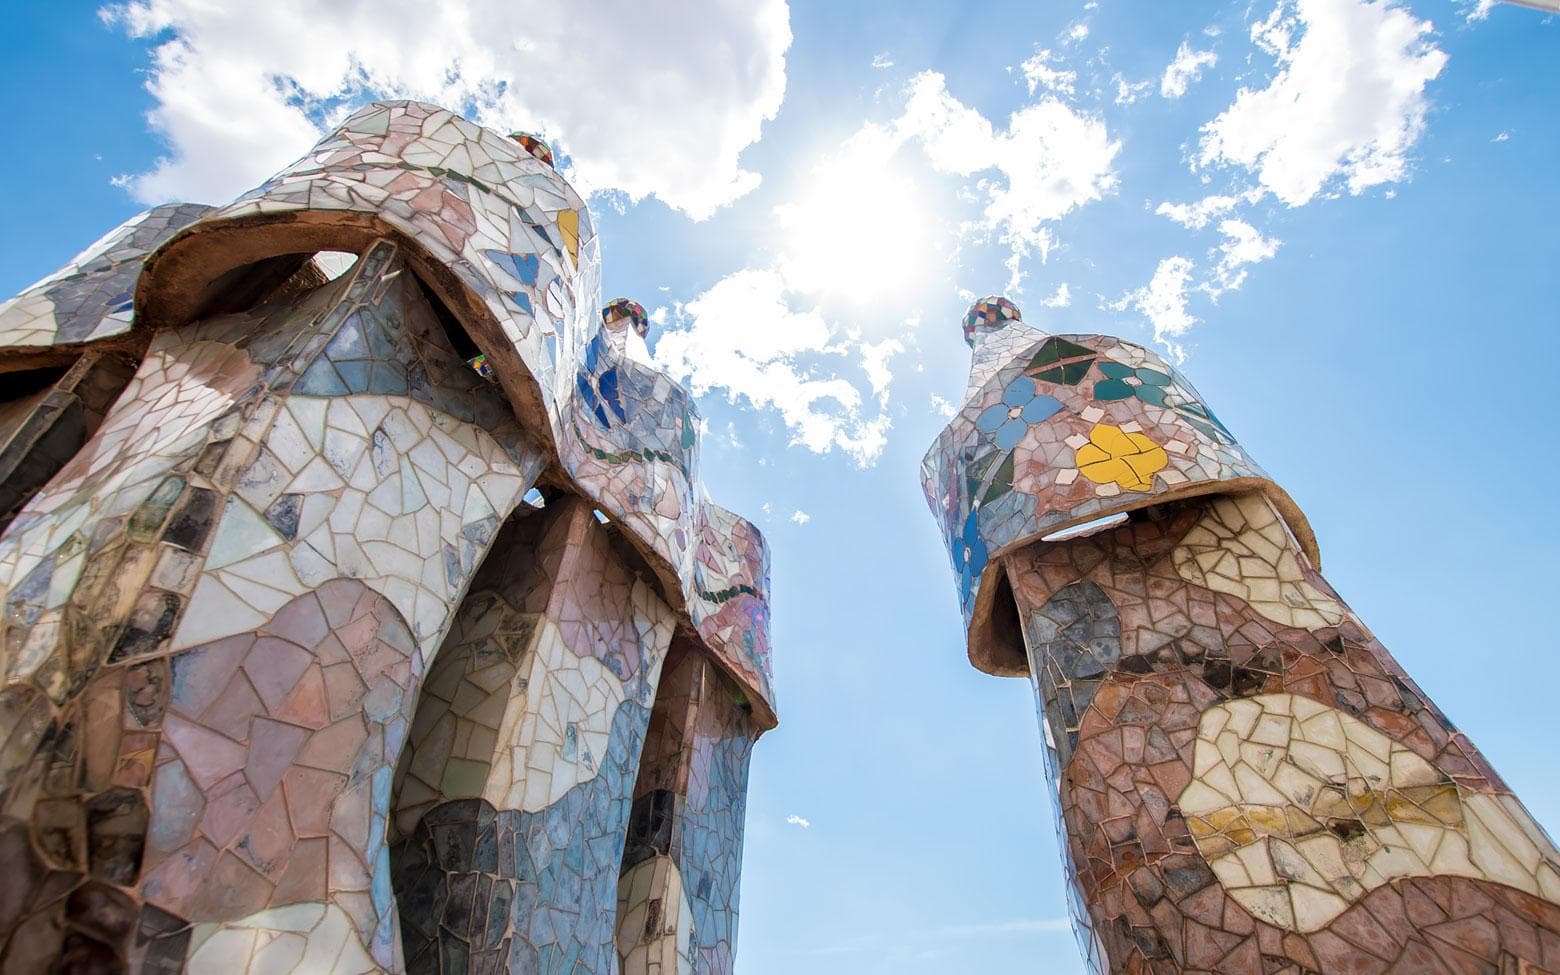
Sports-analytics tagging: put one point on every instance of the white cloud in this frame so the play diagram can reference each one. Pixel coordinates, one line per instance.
(1197, 215)
(859, 185)
(1055, 160)
(942, 407)
(1476, 10)
(881, 61)
(1163, 301)
(874, 362)
(658, 317)
(1039, 73)
(761, 335)
(1076, 32)
(1060, 299)
(1128, 92)
(1346, 106)
(956, 138)
(795, 820)
(1184, 70)
(743, 337)
(1242, 246)
(800, 517)
(242, 89)
(1502, 137)
(1052, 159)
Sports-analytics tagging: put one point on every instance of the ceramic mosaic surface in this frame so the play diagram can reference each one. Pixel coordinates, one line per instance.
(685, 833)
(1058, 430)
(508, 245)
(91, 297)
(626, 313)
(1246, 780)
(333, 643)
(535, 145)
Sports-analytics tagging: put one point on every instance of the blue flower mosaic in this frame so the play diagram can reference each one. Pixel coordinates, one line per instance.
(1147, 385)
(1159, 389)
(1022, 404)
(969, 555)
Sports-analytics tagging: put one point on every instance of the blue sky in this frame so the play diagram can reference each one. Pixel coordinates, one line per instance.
(808, 197)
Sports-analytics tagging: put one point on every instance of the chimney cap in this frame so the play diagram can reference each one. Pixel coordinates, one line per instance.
(534, 144)
(619, 311)
(988, 314)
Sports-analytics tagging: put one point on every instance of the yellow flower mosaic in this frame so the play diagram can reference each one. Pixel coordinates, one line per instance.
(1114, 456)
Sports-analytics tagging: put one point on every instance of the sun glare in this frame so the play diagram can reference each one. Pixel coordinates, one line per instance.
(859, 230)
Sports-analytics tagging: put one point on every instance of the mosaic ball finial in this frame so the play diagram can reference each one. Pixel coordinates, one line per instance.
(626, 311)
(988, 314)
(535, 145)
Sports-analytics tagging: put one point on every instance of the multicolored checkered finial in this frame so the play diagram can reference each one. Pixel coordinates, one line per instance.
(482, 367)
(626, 311)
(535, 145)
(988, 314)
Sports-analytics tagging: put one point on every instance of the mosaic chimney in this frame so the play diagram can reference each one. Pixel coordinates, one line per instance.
(1246, 780)
(363, 610)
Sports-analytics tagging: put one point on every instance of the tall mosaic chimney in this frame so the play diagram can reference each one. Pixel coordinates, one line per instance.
(1246, 780)
(361, 607)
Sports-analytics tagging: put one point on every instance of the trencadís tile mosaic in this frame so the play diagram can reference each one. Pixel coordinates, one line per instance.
(1246, 780)
(338, 603)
